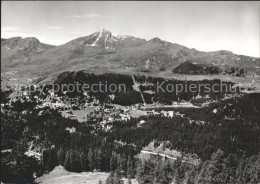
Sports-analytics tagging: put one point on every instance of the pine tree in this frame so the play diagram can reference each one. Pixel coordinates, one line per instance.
(162, 177)
(91, 159)
(74, 162)
(117, 179)
(113, 162)
(177, 177)
(52, 161)
(99, 159)
(179, 172)
(129, 164)
(67, 161)
(113, 178)
(190, 175)
(129, 180)
(168, 170)
(156, 171)
(145, 172)
(211, 168)
(61, 156)
(240, 174)
(84, 162)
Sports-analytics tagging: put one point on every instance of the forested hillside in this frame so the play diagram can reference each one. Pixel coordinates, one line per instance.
(227, 144)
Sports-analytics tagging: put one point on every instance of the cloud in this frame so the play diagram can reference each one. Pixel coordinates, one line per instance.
(55, 27)
(9, 29)
(91, 15)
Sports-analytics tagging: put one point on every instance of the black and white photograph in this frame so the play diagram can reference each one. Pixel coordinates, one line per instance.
(130, 92)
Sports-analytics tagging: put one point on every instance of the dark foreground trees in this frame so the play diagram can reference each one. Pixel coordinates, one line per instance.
(234, 129)
(221, 168)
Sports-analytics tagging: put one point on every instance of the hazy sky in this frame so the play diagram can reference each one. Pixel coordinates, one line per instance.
(206, 26)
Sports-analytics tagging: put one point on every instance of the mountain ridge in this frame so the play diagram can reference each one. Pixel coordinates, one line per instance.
(104, 51)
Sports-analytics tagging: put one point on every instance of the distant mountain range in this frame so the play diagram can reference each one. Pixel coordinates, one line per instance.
(103, 51)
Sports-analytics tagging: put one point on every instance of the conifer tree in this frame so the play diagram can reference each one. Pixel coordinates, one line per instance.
(61, 156)
(67, 161)
(91, 159)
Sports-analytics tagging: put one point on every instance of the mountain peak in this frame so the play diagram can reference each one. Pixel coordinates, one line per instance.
(101, 38)
(155, 39)
(224, 52)
(33, 39)
(128, 50)
(22, 42)
(16, 38)
(105, 31)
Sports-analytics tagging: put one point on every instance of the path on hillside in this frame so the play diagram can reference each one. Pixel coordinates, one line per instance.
(136, 87)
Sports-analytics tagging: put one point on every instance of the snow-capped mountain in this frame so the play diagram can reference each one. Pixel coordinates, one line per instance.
(106, 52)
(105, 39)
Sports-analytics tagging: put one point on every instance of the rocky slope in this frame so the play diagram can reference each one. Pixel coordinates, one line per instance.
(20, 50)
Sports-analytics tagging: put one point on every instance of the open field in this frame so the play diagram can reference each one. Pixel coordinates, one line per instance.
(60, 176)
(80, 115)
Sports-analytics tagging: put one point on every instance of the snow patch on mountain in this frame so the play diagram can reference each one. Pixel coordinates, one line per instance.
(99, 36)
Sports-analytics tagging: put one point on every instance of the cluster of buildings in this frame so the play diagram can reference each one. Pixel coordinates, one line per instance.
(102, 116)
(164, 113)
(55, 103)
(105, 116)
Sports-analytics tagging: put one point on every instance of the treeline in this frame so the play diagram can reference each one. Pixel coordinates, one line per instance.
(188, 67)
(239, 72)
(165, 91)
(244, 108)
